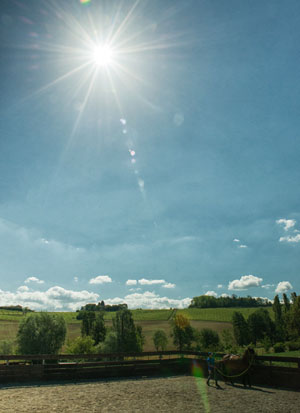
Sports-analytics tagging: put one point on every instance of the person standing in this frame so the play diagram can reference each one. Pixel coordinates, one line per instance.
(212, 374)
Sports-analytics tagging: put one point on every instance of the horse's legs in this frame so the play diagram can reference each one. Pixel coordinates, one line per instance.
(246, 379)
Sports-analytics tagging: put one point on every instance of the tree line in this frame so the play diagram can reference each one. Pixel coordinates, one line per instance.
(259, 327)
(208, 301)
(101, 306)
(15, 308)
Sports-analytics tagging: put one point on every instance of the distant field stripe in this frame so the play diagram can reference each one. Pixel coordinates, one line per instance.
(218, 314)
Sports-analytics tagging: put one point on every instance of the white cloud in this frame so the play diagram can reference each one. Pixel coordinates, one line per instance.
(220, 285)
(131, 282)
(265, 299)
(267, 286)
(23, 288)
(144, 281)
(101, 279)
(33, 280)
(246, 281)
(238, 241)
(224, 295)
(169, 285)
(55, 298)
(288, 238)
(212, 293)
(287, 223)
(283, 287)
(150, 300)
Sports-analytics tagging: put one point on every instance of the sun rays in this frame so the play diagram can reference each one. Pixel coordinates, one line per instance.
(99, 52)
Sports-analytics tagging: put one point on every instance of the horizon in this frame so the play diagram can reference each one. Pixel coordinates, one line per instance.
(149, 152)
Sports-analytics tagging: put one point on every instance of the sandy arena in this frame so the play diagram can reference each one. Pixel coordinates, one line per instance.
(173, 394)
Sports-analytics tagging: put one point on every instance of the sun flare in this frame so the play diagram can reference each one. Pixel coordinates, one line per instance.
(102, 55)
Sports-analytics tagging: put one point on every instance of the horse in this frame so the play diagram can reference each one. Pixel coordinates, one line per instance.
(232, 366)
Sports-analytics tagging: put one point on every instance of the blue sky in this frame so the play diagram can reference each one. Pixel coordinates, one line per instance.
(149, 151)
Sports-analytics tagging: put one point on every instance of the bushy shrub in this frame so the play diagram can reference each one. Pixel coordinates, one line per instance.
(7, 347)
(207, 340)
(110, 344)
(182, 332)
(42, 333)
(228, 341)
(279, 347)
(293, 345)
(160, 340)
(81, 345)
(266, 342)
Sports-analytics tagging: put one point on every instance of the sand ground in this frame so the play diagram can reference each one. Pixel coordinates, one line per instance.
(173, 394)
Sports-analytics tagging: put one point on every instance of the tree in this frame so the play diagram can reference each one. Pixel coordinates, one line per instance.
(88, 320)
(208, 339)
(98, 328)
(293, 319)
(110, 344)
(129, 337)
(240, 329)
(260, 324)
(41, 334)
(228, 340)
(183, 333)
(279, 325)
(7, 347)
(293, 297)
(140, 337)
(160, 340)
(286, 302)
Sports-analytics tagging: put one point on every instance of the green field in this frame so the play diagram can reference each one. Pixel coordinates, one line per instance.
(218, 314)
(217, 319)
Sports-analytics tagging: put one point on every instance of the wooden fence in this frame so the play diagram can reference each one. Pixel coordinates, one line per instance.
(32, 368)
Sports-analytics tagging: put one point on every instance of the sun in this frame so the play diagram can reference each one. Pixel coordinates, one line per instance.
(102, 55)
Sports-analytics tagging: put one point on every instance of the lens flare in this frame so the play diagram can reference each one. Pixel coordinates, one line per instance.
(198, 373)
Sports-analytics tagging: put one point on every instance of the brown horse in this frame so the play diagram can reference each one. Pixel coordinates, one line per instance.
(232, 366)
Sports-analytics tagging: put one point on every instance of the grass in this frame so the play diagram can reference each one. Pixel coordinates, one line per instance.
(295, 353)
(8, 315)
(147, 315)
(8, 330)
(218, 314)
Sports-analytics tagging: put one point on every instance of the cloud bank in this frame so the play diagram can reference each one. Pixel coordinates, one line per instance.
(150, 300)
(55, 298)
(245, 282)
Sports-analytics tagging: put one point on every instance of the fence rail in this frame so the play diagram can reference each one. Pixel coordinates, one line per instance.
(45, 367)
(196, 354)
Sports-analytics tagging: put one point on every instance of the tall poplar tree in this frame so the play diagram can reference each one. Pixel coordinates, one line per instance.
(240, 329)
